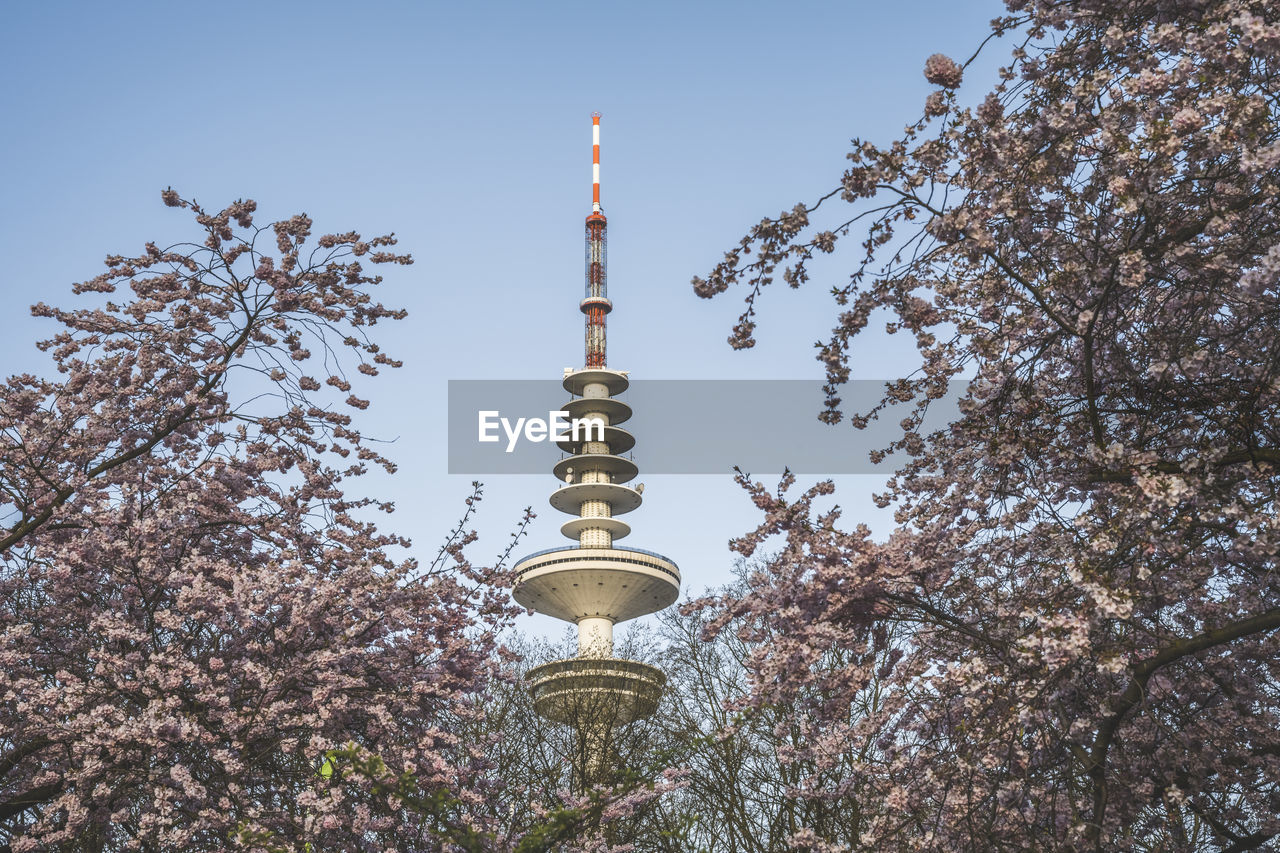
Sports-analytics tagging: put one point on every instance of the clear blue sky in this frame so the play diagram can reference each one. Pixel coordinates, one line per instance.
(465, 128)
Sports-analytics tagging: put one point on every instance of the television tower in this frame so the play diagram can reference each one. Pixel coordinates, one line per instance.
(594, 582)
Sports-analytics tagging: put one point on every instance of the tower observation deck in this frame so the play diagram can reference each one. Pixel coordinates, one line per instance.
(594, 582)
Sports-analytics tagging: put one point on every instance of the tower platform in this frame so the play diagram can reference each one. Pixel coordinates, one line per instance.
(619, 469)
(570, 498)
(582, 690)
(615, 410)
(619, 440)
(578, 583)
(576, 381)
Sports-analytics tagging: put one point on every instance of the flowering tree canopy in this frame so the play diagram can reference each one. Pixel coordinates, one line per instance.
(193, 609)
(1085, 560)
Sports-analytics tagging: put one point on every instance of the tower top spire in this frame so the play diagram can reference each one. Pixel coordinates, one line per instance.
(595, 162)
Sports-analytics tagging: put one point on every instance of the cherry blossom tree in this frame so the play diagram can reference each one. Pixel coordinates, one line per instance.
(1085, 560)
(194, 608)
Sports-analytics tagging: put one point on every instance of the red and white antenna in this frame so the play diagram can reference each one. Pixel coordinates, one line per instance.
(596, 303)
(595, 162)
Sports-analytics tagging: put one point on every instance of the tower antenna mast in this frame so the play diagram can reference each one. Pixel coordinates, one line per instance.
(595, 303)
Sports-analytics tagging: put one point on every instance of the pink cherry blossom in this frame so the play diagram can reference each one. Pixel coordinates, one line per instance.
(194, 604)
(1081, 576)
(942, 70)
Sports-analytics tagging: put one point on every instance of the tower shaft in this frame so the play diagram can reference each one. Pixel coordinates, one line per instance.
(595, 303)
(596, 583)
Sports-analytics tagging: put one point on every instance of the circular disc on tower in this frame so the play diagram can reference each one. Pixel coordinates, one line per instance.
(614, 583)
(619, 440)
(578, 380)
(595, 301)
(569, 498)
(619, 470)
(581, 691)
(615, 410)
(616, 527)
